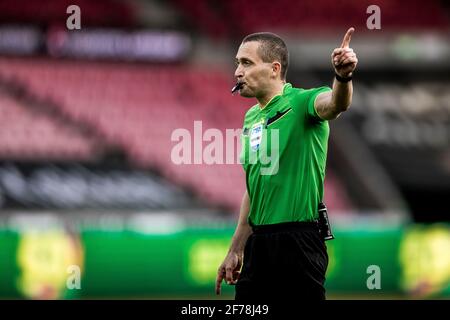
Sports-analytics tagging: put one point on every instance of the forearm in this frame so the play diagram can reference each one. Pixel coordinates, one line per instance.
(329, 105)
(344, 62)
(243, 229)
(341, 96)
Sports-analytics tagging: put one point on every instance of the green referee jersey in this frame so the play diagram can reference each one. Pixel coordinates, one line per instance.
(284, 151)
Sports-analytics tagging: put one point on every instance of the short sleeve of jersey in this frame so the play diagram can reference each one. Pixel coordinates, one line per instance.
(313, 93)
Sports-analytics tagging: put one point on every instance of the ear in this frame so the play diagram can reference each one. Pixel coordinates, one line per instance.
(276, 69)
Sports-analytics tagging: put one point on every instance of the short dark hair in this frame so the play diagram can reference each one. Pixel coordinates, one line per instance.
(271, 48)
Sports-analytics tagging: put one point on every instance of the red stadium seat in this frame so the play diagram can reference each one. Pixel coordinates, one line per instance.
(138, 109)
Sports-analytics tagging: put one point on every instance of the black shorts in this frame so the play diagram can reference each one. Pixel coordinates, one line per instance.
(283, 261)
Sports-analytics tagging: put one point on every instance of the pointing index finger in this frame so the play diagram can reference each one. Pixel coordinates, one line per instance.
(347, 38)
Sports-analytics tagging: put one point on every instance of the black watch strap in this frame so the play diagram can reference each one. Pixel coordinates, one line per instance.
(344, 80)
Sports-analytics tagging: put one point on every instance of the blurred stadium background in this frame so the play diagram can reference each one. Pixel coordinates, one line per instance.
(87, 116)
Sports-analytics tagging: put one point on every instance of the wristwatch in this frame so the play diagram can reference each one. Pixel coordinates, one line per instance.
(344, 80)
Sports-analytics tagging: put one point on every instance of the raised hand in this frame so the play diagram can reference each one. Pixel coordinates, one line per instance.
(344, 60)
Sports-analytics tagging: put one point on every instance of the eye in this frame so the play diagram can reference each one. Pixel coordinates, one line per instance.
(243, 62)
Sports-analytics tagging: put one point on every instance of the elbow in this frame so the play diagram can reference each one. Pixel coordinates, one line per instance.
(337, 111)
(333, 116)
(343, 108)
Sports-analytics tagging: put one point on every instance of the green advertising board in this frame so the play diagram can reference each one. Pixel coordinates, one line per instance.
(410, 261)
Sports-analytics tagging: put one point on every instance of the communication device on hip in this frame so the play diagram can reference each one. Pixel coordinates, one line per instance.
(324, 223)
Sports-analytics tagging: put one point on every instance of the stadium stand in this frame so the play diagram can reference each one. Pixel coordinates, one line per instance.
(53, 13)
(25, 134)
(240, 17)
(139, 107)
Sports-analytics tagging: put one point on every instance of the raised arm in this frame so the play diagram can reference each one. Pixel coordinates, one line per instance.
(231, 265)
(329, 105)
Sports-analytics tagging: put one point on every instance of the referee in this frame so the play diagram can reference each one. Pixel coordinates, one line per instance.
(277, 251)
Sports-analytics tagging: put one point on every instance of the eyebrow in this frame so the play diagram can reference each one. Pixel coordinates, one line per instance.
(243, 59)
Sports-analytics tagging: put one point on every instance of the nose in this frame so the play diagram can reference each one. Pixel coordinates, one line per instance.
(238, 73)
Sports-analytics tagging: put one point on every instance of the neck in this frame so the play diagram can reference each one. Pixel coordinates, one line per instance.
(275, 90)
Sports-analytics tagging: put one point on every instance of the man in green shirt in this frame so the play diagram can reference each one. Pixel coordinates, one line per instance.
(277, 242)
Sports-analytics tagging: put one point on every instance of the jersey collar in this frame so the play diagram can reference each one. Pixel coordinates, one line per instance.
(275, 98)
